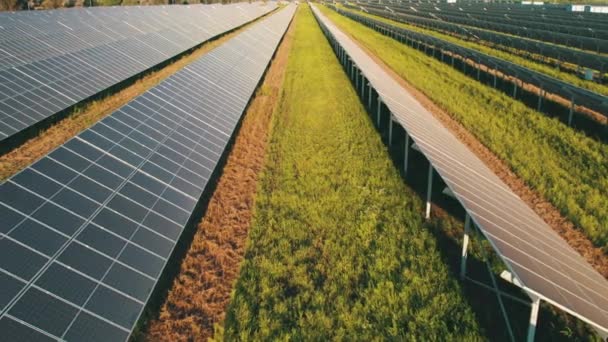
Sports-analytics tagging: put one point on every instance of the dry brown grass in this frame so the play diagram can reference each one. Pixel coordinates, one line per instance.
(82, 118)
(200, 293)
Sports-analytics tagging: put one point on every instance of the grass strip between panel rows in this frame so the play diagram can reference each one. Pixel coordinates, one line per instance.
(337, 247)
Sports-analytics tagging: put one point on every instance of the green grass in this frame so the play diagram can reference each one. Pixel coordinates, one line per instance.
(568, 168)
(337, 247)
(511, 57)
(108, 2)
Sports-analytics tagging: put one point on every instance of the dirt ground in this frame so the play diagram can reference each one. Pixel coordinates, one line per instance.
(200, 294)
(82, 118)
(564, 227)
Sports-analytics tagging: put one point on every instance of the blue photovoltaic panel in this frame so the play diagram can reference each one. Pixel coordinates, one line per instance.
(52, 60)
(87, 230)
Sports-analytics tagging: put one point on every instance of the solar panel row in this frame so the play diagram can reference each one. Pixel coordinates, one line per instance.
(561, 54)
(578, 95)
(592, 44)
(52, 60)
(545, 265)
(554, 14)
(87, 230)
(583, 29)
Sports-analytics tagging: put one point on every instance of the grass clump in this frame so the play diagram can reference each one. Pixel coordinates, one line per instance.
(337, 248)
(566, 167)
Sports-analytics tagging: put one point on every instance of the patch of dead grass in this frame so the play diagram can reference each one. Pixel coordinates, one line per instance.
(200, 293)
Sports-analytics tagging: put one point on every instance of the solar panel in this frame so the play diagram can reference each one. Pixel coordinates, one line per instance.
(542, 262)
(558, 53)
(88, 229)
(502, 25)
(578, 95)
(52, 60)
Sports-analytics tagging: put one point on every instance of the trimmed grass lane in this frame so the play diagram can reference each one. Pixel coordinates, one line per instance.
(337, 247)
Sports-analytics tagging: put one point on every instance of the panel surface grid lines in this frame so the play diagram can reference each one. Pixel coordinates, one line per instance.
(87, 230)
(537, 256)
(52, 60)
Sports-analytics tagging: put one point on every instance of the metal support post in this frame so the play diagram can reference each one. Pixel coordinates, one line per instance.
(379, 112)
(347, 65)
(407, 153)
(429, 191)
(514, 89)
(363, 86)
(369, 96)
(465, 246)
(540, 100)
(571, 113)
(533, 319)
(498, 295)
(390, 129)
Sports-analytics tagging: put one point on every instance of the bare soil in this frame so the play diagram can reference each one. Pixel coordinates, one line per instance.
(200, 294)
(551, 215)
(82, 118)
